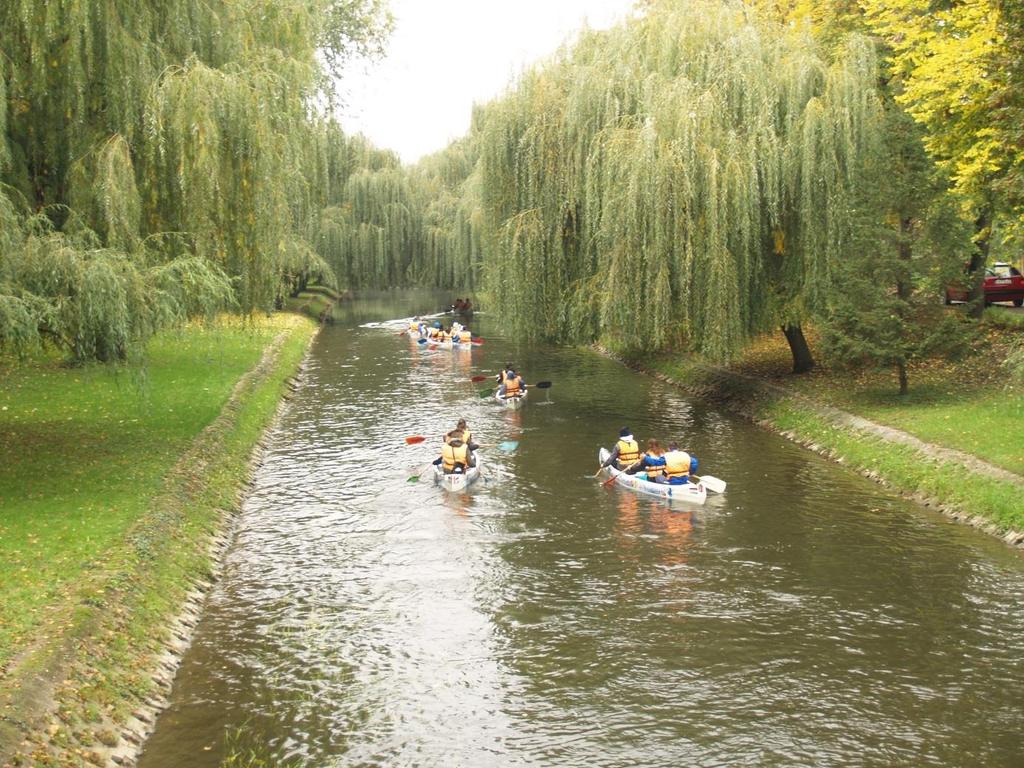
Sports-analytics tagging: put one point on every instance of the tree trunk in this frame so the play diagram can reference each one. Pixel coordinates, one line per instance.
(975, 269)
(802, 359)
(904, 288)
(901, 369)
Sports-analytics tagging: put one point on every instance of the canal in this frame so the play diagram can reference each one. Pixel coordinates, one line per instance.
(805, 617)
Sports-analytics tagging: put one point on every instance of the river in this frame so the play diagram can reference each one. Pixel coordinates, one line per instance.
(805, 617)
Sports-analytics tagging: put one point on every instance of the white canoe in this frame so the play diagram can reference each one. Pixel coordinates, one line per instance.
(695, 494)
(512, 403)
(459, 481)
(446, 344)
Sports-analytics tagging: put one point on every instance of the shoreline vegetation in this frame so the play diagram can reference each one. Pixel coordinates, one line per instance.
(118, 485)
(953, 444)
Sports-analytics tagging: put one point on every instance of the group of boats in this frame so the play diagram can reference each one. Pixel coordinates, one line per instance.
(694, 493)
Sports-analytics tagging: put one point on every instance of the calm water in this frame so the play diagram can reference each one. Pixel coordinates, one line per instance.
(803, 618)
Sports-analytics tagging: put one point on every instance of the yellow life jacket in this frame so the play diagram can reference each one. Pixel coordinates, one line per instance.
(511, 386)
(414, 327)
(465, 336)
(653, 472)
(677, 464)
(454, 454)
(433, 333)
(629, 452)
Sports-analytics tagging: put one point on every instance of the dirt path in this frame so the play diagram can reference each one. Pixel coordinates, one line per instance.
(890, 434)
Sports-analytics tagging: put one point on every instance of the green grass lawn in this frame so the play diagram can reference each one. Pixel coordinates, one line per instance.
(987, 422)
(971, 404)
(84, 449)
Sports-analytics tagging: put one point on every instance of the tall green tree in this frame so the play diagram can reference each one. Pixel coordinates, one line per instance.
(685, 177)
(952, 74)
(143, 143)
(909, 242)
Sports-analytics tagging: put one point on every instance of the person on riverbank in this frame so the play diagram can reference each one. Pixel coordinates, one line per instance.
(652, 462)
(455, 455)
(626, 452)
(679, 465)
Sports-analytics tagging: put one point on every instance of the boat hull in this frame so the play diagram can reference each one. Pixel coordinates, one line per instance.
(512, 403)
(693, 493)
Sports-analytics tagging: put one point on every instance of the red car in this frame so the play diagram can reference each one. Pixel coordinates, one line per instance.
(1002, 283)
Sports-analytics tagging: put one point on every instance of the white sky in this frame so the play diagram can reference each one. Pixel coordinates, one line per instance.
(444, 55)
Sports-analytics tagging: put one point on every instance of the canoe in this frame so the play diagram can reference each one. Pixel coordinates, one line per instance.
(459, 481)
(512, 403)
(447, 344)
(690, 492)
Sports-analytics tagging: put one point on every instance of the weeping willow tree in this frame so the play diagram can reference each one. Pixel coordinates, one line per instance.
(683, 178)
(161, 159)
(449, 251)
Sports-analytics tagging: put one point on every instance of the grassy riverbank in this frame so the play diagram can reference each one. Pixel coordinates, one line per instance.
(111, 481)
(969, 405)
(313, 302)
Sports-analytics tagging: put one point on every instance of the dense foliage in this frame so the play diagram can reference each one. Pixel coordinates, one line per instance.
(686, 176)
(160, 160)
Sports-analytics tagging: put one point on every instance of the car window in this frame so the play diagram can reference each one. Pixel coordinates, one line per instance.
(1000, 270)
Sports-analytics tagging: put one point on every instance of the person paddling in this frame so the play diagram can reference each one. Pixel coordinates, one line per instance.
(652, 462)
(679, 465)
(625, 453)
(503, 373)
(467, 437)
(513, 386)
(455, 456)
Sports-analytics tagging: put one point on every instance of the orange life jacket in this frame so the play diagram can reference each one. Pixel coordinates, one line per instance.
(655, 471)
(512, 387)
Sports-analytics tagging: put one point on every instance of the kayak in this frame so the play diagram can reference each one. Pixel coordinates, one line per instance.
(695, 494)
(512, 403)
(458, 481)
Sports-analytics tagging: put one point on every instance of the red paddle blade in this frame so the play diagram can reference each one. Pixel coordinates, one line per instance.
(478, 379)
(477, 340)
(608, 482)
(414, 439)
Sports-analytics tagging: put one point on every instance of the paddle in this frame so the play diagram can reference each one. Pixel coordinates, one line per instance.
(414, 439)
(478, 379)
(711, 483)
